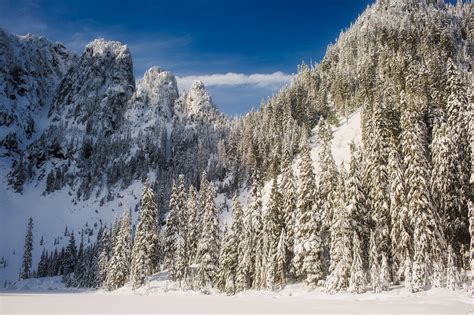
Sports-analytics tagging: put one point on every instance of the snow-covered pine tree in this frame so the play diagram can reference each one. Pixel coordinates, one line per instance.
(452, 274)
(328, 177)
(341, 245)
(357, 202)
(374, 265)
(69, 261)
(180, 269)
(193, 223)
(429, 241)
(246, 260)
(358, 280)
(27, 251)
(105, 249)
(273, 225)
(385, 273)
(119, 265)
(459, 118)
(445, 181)
(401, 230)
(256, 210)
(379, 196)
(230, 253)
(289, 206)
(145, 245)
(281, 261)
(172, 232)
(307, 225)
(208, 247)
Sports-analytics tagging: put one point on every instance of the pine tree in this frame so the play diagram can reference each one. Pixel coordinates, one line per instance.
(289, 209)
(459, 118)
(328, 178)
(246, 260)
(208, 248)
(358, 280)
(255, 208)
(105, 248)
(193, 223)
(385, 273)
(341, 247)
(357, 203)
(307, 225)
(145, 246)
(69, 260)
(119, 265)
(172, 233)
(27, 252)
(429, 242)
(401, 232)
(452, 274)
(272, 228)
(374, 265)
(180, 260)
(229, 260)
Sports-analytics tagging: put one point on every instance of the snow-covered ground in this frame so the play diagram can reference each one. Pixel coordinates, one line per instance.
(47, 295)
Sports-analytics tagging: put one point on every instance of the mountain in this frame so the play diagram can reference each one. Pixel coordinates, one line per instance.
(388, 103)
(31, 70)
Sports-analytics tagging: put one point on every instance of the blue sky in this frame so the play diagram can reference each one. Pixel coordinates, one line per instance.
(260, 41)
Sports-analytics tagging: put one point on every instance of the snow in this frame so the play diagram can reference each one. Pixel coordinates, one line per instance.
(51, 214)
(161, 296)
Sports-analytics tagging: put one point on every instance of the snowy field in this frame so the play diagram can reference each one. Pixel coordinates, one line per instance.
(47, 295)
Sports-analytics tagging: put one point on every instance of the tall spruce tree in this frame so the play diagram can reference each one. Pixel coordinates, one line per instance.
(429, 242)
(145, 245)
(193, 223)
(172, 232)
(119, 265)
(358, 279)
(272, 227)
(401, 231)
(289, 206)
(307, 225)
(26, 270)
(208, 248)
(341, 245)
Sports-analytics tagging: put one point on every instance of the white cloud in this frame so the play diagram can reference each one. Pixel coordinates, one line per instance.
(234, 79)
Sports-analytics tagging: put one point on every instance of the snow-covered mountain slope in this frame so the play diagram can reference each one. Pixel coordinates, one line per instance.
(31, 69)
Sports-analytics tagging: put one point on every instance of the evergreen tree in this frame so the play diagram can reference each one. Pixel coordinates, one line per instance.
(229, 259)
(256, 210)
(246, 261)
(452, 275)
(119, 265)
(307, 225)
(193, 223)
(401, 232)
(69, 260)
(172, 232)
(429, 242)
(357, 200)
(358, 280)
(459, 118)
(374, 265)
(289, 209)
(281, 261)
(341, 247)
(27, 251)
(208, 248)
(105, 248)
(273, 225)
(145, 244)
